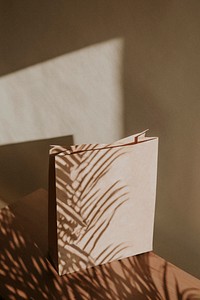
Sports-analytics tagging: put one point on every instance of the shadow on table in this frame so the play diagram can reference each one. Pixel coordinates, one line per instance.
(26, 274)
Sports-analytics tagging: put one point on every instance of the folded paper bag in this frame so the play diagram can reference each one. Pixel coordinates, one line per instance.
(101, 202)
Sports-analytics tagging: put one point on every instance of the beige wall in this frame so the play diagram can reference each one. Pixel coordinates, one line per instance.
(77, 93)
(133, 65)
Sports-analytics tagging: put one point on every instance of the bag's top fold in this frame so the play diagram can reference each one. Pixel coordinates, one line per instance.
(131, 140)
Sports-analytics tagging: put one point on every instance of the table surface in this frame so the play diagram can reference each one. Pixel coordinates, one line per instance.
(25, 272)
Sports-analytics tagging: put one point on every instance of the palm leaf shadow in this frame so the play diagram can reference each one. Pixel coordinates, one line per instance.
(85, 209)
(26, 274)
(132, 278)
(185, 294)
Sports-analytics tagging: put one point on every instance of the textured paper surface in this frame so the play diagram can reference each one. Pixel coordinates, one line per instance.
(105, 201)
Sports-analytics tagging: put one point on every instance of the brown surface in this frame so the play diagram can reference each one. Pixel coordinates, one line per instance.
(26, 274)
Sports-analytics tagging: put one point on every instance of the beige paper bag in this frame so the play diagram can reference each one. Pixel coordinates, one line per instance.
(101, 202)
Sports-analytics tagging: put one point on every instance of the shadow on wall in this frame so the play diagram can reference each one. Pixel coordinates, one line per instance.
(44, 30)
(160, 83)
(24, 167)
(161, 92)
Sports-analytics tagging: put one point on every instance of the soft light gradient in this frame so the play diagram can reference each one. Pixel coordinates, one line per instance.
(78, 93)
(143, 53)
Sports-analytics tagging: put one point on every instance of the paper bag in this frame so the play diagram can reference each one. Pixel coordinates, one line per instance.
(101, 202)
